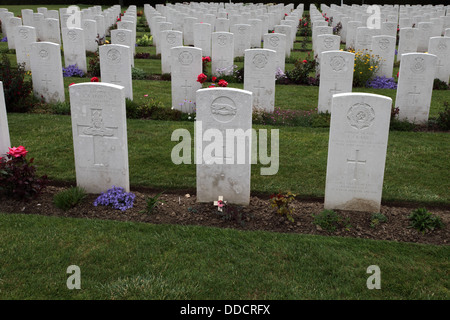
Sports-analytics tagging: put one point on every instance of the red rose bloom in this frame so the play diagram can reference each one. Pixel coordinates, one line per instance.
(94, 79)
(214, 79)
(222, 83)
(305, 61)
(201, 78)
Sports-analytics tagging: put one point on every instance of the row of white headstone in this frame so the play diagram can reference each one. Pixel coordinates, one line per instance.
(356, 154)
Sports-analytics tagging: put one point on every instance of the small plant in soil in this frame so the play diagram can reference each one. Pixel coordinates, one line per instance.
(69, 198)
(117, 198)
(234, 213)
(330, 220)
(424, 221)
(376, 219)
(283, 204)
(152, 203)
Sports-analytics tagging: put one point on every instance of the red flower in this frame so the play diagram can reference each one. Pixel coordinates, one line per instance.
(222, 83)
(207, 59)
(305, 61)
(212, 86)
(306, 23)
(214, 79)
(17, 152)
(285, 14)
(71, 84)
(398, 73)
(201, 78)
(94, 79)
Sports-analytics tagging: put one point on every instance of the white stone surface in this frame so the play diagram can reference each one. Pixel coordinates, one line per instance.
(23, 38)
(186, 66)
(408, 40)
(123, 37)
(27, 17)
(13, 23)
(222, 169)
(74, 48)
(99, 130)
(415, 86)
(259, 77)
(169, 39)
(202, 37)
(277, 42)
(242, 38)
(255, 40)
(287, 31)
(440, 47)
(90, 35)
(46, 71)
(115, 66)
(222, 55)
(359, 131)
(188, 30)
(336, 76)
(38, 23)
(222, 25)
(351, 34)
(51, 30)
(384, 48)
(5, 141)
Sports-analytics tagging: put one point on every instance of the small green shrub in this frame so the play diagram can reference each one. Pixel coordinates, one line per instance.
(440, 85)
(62, 108)
(424, 221)
(282, 202)
(443, 119)
(300, 74)
(138, 74)
(132, 109)
(365, 68)
(330, 220)
(69, 198)
(376, 219)
(94, 65)
(144, 41)
(152, 203)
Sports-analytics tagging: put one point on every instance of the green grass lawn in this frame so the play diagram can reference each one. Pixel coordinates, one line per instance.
(122, 260)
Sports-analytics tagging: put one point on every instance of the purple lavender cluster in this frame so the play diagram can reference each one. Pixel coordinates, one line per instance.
(5, 39)
(382, 83)
(72, 71)
(117, 198)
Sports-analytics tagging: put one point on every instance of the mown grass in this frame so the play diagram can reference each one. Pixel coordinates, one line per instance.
(416, 163)
(124, 260)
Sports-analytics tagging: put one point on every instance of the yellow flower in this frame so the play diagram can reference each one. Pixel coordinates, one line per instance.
(376, 66)
(106, 41)
(360, 72)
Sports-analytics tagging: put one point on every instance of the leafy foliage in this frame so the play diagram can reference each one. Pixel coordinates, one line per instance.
(330, 220)
(17, 89)
(152, 203)
(18, 177)
(283, 204)
(94, 65)
(300, 74)
(69, 198)
(424, 221)
(443, 119)
(376, 219)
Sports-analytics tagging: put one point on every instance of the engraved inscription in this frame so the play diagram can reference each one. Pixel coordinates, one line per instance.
(260, 60)
(185, 58)
(113, 56)
(418, 65)
(223, 109)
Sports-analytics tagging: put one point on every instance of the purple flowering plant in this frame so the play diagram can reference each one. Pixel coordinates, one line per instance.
(117, 198)
(382, 83)
(72, 71)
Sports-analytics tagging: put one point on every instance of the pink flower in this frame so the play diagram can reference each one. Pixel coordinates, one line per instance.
(222, 83)
(94, 79)
(220, 204)
(17, 152)
(201, 78)
(145, 95)
(306, 23)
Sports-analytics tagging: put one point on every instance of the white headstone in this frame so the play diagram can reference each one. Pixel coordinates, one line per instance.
(336, 76)
(74, 48)
(222, 25)
(38, 23)
(5, 142)
(13, 23)
(351, 34)
(123, 37)
(440, 46)
(222, 53)
(242, 38)
(255, 40)
(408, 40)
(363, 39)
(27, 17)
(115, 66)
(46, 71)
(287, 31)
(185, 67)
(259, 77)
(359, 131)
(384, 48)
(99, 131)
(202, 37)
(90, 35)
(169, 39)
(51, 30)
(188, 30)
(223, 167)
(24, 37)
(425, 32)
(415, 86)
(277, 42)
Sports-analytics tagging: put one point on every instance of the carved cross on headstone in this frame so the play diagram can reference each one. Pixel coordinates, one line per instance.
(185, 87)
(414, 95)
(356, 161)
(98, 131)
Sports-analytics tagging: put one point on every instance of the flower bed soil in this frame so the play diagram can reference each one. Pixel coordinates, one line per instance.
(180, 207)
